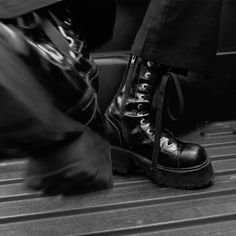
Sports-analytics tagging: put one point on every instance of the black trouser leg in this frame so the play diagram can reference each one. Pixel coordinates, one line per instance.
(180, 33)
(28, 119)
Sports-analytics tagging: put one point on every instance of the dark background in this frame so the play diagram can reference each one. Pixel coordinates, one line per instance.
(129, 15)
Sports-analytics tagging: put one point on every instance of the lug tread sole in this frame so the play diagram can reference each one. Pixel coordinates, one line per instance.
(123, 163)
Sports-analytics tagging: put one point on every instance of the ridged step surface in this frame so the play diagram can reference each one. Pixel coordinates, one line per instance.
(135, 206)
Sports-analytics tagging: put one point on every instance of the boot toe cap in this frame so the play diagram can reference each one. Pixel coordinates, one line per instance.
(193, 155)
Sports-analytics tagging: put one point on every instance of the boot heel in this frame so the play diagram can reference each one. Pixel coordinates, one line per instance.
(121, 161)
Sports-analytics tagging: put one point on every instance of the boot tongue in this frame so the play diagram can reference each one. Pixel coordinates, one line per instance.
(168, 144)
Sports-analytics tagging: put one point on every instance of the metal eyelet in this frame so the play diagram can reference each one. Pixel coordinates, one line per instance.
(169, 144)
(144, 86)
(149, 131)
(68, 22)
(140, 106)
(150, 64)
(141, 96)
(147, 75)
(142, 122)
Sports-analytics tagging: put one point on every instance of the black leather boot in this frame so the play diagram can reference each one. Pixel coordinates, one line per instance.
(76, 160)
(135, 121)
(74, 85)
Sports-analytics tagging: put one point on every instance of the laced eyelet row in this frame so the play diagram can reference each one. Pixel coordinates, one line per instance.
(143, 122)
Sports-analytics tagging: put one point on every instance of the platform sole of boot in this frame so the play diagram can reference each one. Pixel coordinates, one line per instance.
(191, 178)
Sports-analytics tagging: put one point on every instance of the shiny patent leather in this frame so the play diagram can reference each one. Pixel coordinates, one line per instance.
(74, 162)
(135, 121)
(63, 66)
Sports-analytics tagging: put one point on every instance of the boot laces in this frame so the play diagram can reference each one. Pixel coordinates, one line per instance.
(162, 97)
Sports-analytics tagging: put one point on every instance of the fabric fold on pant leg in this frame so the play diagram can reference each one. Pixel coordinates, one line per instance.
(29, 120)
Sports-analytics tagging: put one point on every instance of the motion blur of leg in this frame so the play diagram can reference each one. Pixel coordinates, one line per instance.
(49, 108)
(176, 38)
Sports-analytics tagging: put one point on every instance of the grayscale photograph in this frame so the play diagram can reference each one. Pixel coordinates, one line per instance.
(118, 117)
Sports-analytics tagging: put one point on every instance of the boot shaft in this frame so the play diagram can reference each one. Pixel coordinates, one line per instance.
(130, 110)
(71, 79)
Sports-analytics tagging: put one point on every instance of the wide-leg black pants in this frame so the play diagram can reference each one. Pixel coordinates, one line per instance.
(180, 33)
